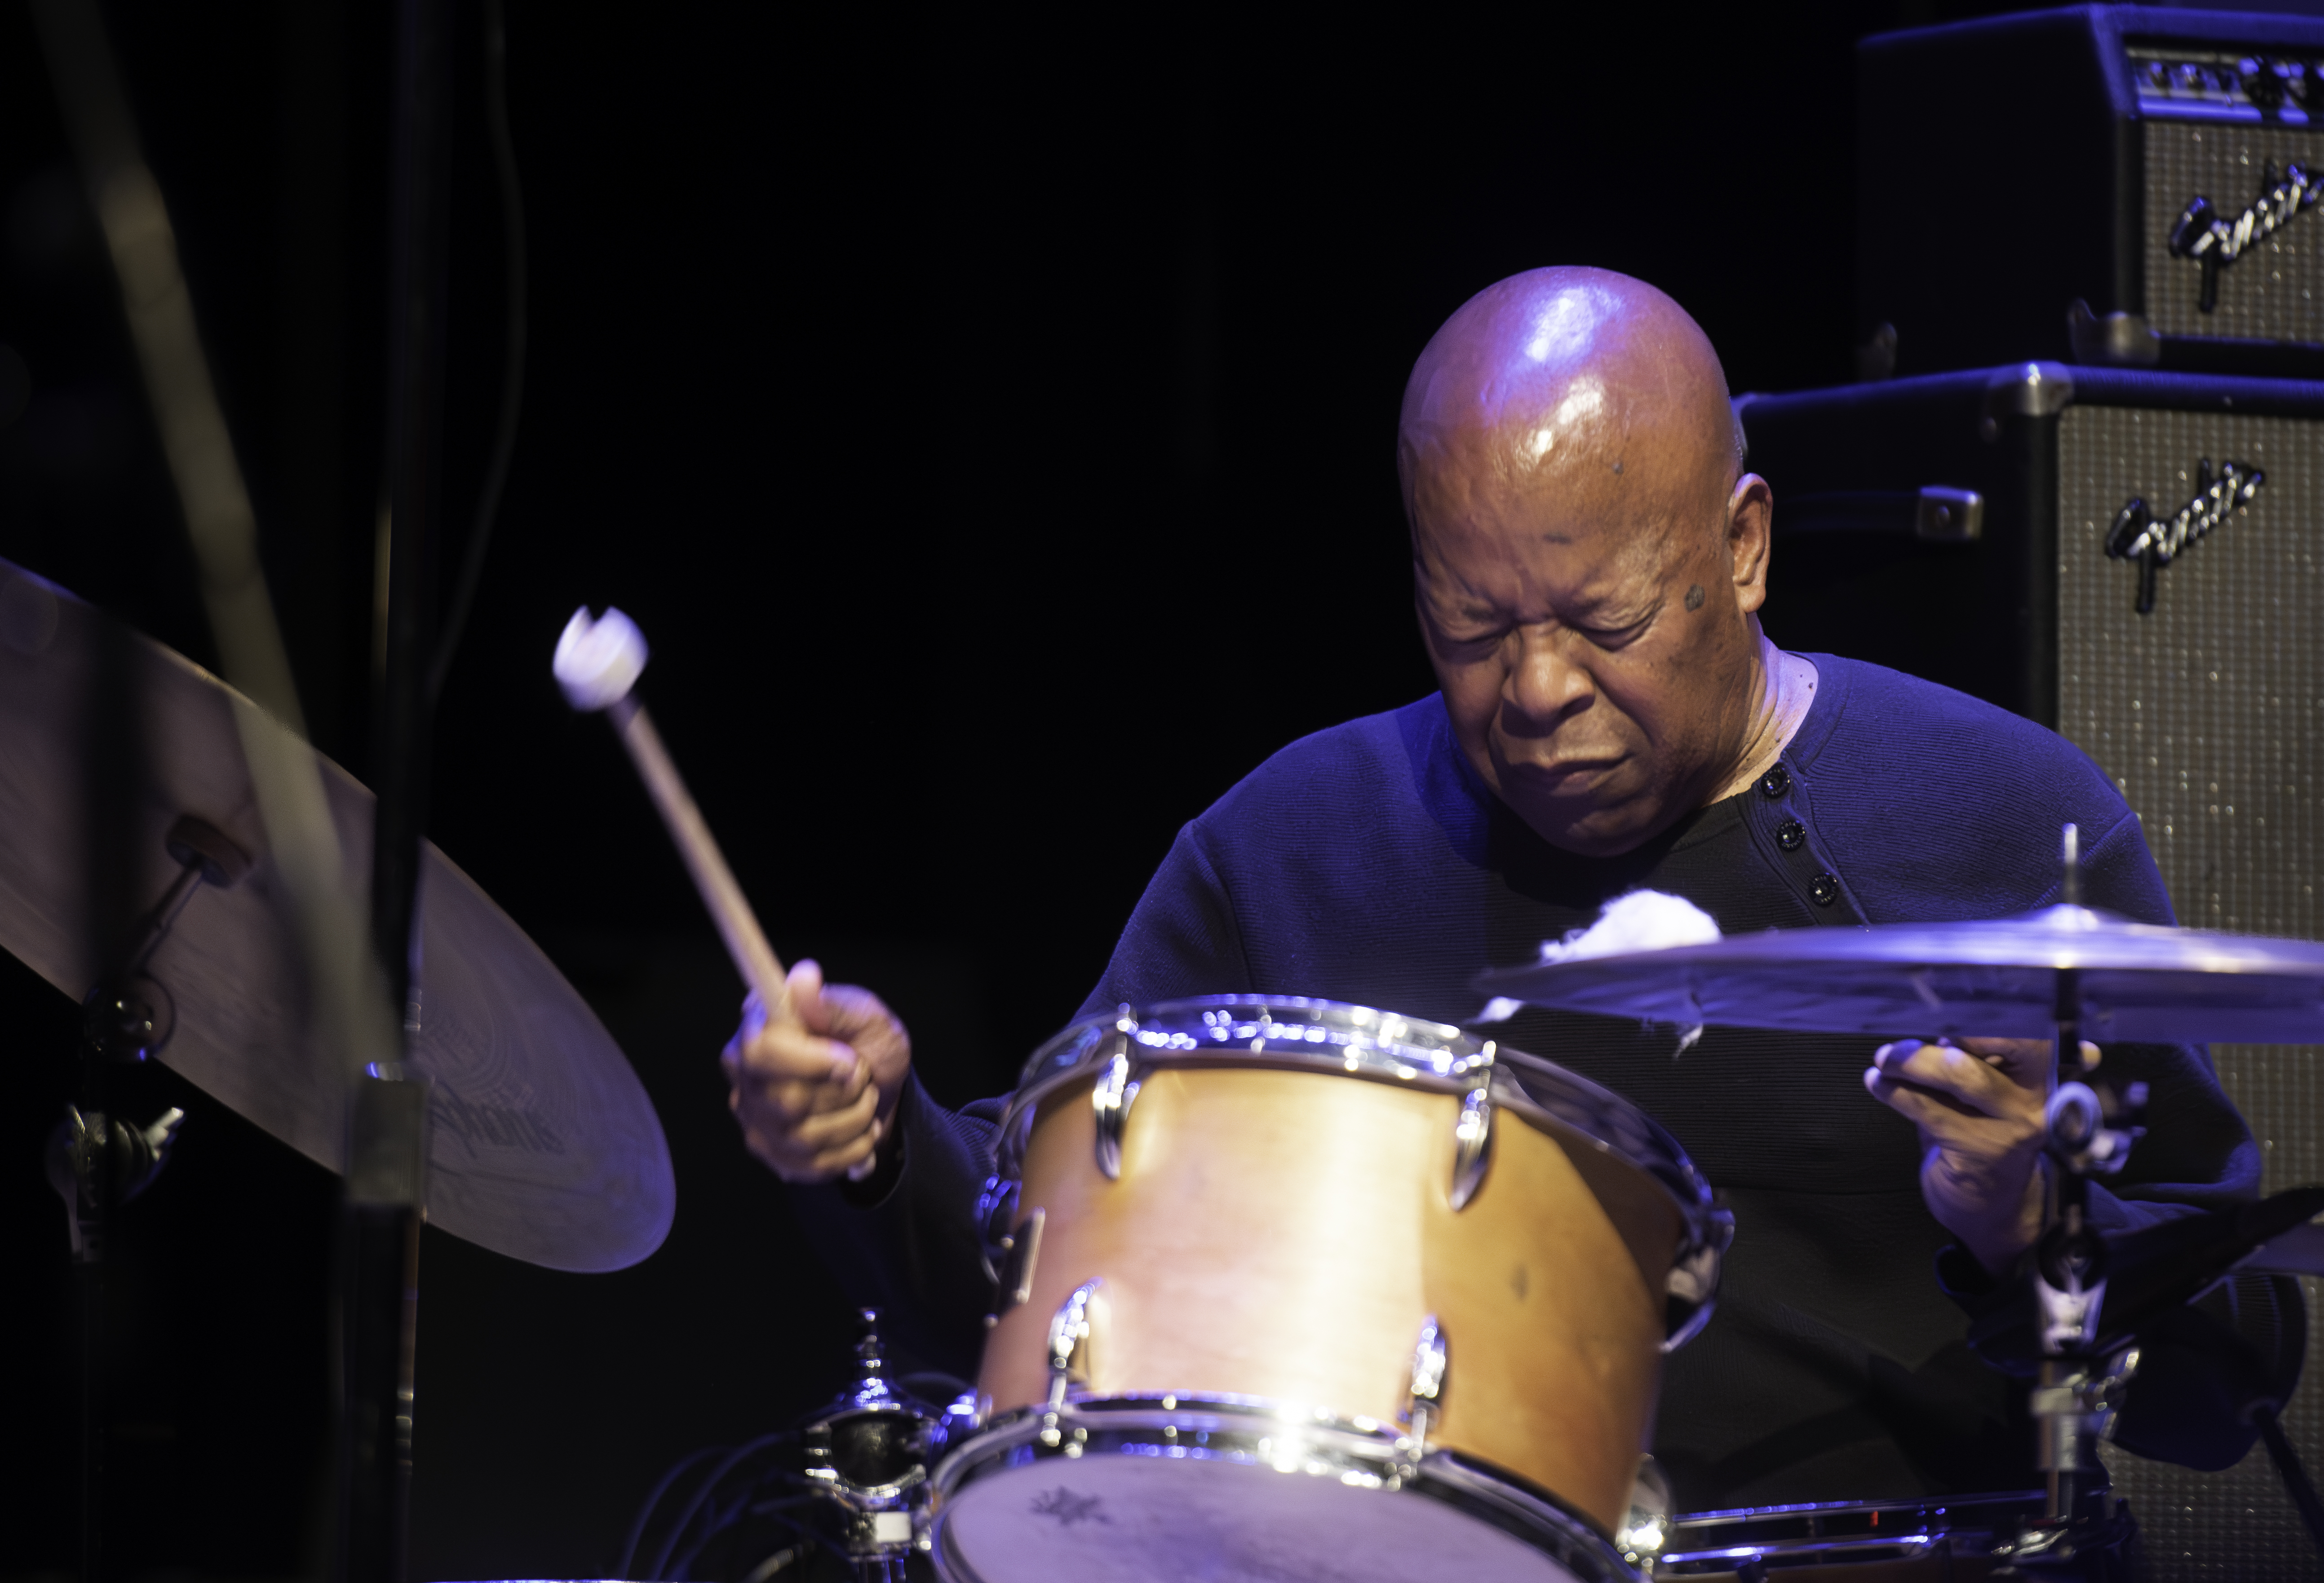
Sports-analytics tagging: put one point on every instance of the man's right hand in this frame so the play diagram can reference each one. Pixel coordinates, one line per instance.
(815, 1084)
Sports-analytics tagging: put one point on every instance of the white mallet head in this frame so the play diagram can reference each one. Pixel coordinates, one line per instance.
(598, 662)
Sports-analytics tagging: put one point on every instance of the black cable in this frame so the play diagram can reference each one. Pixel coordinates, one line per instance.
(488, 504)
(2295, 1476)
(709, 1486)
(646, 1512)
(723, 1519)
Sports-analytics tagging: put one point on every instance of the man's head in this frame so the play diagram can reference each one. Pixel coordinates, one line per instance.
(1588, 553)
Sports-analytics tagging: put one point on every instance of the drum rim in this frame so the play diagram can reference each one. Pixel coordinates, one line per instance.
(1699, 1538)
(1444, 1060)
(1478, 1490)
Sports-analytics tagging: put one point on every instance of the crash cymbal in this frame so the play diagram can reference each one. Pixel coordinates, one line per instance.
(1998, 978)
(542, 1143)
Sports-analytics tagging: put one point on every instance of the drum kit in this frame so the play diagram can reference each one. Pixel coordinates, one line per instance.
(1282, 1287)
(1289, 1289)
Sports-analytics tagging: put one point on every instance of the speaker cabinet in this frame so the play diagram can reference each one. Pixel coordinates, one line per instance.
(2012, 168)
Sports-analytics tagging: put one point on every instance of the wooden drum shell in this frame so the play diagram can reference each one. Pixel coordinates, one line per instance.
(1283, 1235)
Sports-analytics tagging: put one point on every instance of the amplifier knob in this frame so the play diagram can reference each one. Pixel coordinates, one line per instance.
(2262, 86)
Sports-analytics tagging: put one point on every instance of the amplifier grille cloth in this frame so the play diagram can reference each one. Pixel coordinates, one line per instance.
(2209, 713)
(2275, 292)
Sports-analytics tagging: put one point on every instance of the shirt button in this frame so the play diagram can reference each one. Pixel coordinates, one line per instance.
(1790, 835)
(1774, 783)
(1824, 889)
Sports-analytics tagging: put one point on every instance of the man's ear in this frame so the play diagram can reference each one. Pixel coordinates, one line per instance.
(1750, 527)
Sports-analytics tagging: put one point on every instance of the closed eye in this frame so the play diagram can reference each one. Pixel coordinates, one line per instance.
(1618, 637)
(1468, 630)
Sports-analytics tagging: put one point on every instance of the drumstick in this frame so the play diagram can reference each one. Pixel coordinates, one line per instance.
(598, 664)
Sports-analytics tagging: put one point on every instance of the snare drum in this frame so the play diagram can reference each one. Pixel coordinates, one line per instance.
(1290, 1289)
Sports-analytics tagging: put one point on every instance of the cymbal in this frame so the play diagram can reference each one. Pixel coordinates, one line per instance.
(1997, 978)
(542, 1144)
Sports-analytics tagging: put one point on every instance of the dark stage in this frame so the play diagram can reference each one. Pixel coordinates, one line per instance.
(990, 425)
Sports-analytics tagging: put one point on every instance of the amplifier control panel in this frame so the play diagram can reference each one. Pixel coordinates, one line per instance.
(2179, 82)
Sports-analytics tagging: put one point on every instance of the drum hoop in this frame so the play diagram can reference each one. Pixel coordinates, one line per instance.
(1384, 1047)
(1704, 1539)
(1361, 1447)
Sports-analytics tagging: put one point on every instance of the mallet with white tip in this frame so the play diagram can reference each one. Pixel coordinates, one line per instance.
(597, 664)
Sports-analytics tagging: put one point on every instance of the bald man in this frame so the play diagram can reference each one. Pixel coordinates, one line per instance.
(1590, 558)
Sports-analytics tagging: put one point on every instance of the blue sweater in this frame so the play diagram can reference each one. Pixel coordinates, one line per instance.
(1369, 864)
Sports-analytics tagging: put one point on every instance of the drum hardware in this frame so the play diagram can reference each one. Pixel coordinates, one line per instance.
(1020, 1254)
(1646, 1528)
(996, 1213)
(97, 1162)
(1427, 1387)
(1472, 1135)
(1111, 1096)
(843, 1491)
(1070, 1344)
(1690, 1289)
(2076, 1392)
(2161, 1268)
(1931, 1538)
(867, 1455)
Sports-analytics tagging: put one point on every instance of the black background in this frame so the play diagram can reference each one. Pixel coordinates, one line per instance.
(989, 425)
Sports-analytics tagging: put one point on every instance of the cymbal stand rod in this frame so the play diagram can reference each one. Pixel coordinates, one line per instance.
(97, 1161)
(164, 917)
(92, 1182)
(2073, 1397)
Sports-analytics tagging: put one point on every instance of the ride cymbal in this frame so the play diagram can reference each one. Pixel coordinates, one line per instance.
(1998, 978)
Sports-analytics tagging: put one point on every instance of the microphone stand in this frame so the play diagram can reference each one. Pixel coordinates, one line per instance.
(387, 1151)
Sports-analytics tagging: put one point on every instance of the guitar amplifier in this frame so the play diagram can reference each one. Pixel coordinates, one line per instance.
(2133, 559)
(2113, 184)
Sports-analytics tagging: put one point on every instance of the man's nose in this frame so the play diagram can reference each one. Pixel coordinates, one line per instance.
(1544, 685)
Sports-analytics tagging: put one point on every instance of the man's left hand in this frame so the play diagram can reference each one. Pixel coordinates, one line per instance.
(1979, 1107)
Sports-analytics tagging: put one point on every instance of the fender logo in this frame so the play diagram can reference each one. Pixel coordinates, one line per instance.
(2203, 236)
(2137, 535)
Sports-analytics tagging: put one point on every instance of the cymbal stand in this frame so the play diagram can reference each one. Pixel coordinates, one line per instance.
(2076, 1393)
(387, 1112)
(97, 1162)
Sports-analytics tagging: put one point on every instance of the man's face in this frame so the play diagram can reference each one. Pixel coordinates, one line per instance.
(1587, 693)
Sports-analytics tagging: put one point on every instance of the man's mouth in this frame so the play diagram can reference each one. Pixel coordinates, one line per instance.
(1564, 768)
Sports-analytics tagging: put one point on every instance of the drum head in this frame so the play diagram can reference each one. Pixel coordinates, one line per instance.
(1120, 1519)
